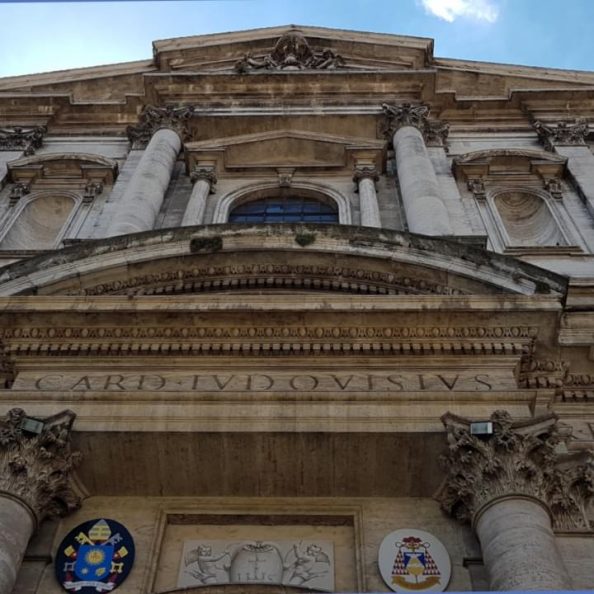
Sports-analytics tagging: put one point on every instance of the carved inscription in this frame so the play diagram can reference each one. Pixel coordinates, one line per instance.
(398, 381)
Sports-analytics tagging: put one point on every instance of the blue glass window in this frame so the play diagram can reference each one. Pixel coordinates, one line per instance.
(292, 209)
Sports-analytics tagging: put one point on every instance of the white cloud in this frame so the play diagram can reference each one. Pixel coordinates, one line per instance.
(449, 10)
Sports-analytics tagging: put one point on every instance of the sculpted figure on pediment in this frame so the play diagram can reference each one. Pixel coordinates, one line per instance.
(292, 52)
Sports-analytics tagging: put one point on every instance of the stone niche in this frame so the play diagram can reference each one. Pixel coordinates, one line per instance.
(229, 541)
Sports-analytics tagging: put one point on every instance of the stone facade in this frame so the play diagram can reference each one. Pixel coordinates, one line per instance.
(263, 286)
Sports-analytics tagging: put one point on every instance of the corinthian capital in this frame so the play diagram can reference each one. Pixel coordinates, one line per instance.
(562, 133)
(435, 132)
(204, 173)
(36, 461)
(17, 138)
(518, 459)
(155, 118)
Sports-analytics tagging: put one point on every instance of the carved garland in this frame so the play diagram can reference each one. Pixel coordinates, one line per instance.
(518, 459)
(35, 468)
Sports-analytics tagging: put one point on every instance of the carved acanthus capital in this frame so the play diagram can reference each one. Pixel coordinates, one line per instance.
(36, 462)
(204, 173)
(18, 138)
(365, 173)
(519, 459)
(292, 52)
(155, 118)
(435, 132)
(562, 133)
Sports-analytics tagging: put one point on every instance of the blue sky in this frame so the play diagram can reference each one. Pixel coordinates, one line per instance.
(53, 36)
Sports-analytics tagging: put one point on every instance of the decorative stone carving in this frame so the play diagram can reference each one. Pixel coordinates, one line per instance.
(17, 138)
(307, 564)
(205, 173)
(19, 190)
(554, 188)
(547, 373)
(292, 52)
(477, 187)
(561, 134)
(155, 118)
(35, 467)
(519, 459)
(92, 190)
(435, 132)
(365, 173)
(285, 176)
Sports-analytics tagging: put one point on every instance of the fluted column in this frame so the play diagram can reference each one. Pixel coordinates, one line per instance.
(204, 180)
(425, 210)
(568, 139)
(161, 130)
(365, 178)
(514, 487)
(34, 483)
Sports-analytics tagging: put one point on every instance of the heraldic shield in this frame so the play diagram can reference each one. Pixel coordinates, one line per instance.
(96, 556)
(414, 561)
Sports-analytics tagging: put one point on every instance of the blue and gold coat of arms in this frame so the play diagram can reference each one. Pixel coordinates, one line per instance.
(96, 556)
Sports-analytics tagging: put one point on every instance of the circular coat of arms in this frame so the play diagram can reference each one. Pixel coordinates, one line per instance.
(414, 561)
(96, 556)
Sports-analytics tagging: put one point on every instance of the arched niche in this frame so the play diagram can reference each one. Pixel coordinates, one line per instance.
(527, 219)
(39, 221)
(307, 191)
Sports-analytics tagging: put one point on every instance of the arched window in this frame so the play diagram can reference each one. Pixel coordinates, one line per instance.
(39, 224)
(528, 220)
(284, 209)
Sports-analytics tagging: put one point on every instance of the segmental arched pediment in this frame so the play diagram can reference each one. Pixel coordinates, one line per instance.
(287, 258)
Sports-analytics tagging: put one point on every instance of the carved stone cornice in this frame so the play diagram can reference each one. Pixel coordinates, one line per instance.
(155, 118)
(562, 133)
(435, 132)
(519, 459)
(292, 52)
(548, 373)
(35, 467)
(204, 173)
(267, 340)
(17, 138)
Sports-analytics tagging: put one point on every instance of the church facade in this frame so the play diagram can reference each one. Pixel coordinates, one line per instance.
(296, 309)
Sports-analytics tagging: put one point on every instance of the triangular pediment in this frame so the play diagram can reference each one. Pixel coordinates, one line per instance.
(286, 148)
(353, 51)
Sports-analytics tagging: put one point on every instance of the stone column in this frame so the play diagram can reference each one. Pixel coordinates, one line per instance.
(568, 139)
(35, 465)
(204, 180)
(365, 178)
(409, 126)
(514, 487)
(161, 131)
